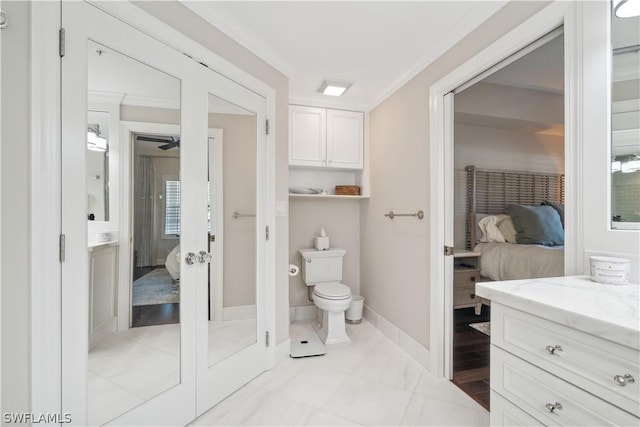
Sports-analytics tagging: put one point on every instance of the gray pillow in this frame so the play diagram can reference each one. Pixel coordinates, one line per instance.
(536, 225)
(559, 207)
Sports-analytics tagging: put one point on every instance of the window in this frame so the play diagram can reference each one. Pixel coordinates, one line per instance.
(171, 207)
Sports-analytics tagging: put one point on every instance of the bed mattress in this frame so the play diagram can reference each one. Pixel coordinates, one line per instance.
(508, 261)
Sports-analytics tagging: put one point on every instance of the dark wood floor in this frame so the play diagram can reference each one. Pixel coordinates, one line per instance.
(155, 314)
(471, 355)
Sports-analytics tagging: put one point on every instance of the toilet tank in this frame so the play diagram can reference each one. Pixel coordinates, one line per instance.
(321, 266)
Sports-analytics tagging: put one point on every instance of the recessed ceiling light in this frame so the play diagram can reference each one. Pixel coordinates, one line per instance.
(626, 8)
(333, 88)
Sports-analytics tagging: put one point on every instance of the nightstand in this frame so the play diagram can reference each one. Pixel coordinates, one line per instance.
(466, 272)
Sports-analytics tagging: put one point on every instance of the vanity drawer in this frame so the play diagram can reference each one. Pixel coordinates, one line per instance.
(465, 296)
(505, 413)
(548, 398)
(465, 278)
(589, 362)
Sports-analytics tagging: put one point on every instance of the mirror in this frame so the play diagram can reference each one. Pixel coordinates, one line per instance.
(98, 165)
(625, 123)
(137, 361)
(232, 229)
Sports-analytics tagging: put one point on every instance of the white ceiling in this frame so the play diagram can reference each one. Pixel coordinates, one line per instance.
(376, 45)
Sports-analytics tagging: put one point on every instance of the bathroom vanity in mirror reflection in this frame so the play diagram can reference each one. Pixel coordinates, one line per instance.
(625, 123)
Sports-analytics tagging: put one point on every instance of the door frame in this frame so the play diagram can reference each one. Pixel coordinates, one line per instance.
(441, 165)
(46, 186)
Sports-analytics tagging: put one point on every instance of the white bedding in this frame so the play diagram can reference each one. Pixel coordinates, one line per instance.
(508, 261)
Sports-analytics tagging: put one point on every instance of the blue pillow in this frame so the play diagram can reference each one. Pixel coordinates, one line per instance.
(536, 225)
(559, 207)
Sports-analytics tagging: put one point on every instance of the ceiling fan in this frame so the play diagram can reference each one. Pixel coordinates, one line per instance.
(170, 142)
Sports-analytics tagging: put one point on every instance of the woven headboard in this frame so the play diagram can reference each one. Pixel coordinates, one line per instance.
(490, 191)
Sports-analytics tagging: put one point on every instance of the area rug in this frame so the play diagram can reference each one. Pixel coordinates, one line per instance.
(155, 287)
(484, 327)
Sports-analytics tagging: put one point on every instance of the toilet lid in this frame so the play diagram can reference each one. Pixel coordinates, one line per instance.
(332, 290)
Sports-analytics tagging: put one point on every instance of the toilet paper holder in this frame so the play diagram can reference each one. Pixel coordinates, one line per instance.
(293, 270)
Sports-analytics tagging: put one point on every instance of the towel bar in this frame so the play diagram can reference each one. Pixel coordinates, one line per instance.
(237, 215)
(392, 215)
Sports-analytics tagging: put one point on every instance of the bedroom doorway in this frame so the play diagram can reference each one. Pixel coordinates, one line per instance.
(507, 138)
(155, 288)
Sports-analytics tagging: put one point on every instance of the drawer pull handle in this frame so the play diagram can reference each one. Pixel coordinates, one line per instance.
(472, 278)
(623, 380)
(472, 295)
(551, 407)
(551, 349)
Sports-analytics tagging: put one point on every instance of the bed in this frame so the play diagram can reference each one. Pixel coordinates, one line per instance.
(489, 192)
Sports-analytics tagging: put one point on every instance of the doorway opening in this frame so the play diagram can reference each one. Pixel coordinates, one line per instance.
(155, 289)
(508, 143)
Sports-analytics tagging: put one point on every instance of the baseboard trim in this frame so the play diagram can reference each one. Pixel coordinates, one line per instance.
(283, 350)
(413, 348)
(300, 313)
(239, 312)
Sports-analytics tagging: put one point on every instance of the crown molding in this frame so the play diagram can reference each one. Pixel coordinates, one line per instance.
(479, 13)
(226, 23)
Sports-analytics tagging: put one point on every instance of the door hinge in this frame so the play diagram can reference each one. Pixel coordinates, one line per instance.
(62, 247)
(448, 250)
(61, 42)
(266, 338)
(267, 127)
(267, 232)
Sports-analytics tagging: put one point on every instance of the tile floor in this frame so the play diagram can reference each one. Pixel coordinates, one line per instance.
(135, 365)
(369, 381)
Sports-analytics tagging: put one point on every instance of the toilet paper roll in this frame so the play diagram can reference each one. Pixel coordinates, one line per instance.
(293, 270)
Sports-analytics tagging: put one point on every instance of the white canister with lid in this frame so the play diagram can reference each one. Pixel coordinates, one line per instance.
(610, 270)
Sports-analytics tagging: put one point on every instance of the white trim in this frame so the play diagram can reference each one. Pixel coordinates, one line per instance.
(479, 13)
(544, 21)
(216, 153)
(240, 312)
(412, 347)
(154, 27)
(229, 25)
(282, 352)
(302, 313)
(46, 380)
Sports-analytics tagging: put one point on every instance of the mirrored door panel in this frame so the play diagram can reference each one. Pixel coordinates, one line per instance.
(232, 230)
(131, 366)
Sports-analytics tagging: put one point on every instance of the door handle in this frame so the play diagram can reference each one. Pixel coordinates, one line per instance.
(191, 258)
(204, 257)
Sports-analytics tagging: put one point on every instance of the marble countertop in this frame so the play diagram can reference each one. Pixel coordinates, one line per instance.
(607, 311)
(95, 245)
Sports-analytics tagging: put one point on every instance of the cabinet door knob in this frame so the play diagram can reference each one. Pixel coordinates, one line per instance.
(623, 380)
(472, 278)
(551, 349)
(551, 407)
(472, 295)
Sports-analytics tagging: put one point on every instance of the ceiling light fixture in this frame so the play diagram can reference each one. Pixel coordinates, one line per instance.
(334, 88)
(626, 8)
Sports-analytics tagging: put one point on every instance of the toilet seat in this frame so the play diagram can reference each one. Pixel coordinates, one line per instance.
(332, 291)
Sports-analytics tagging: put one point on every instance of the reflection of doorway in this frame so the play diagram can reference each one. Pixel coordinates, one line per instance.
(509, 119)
(155, 291)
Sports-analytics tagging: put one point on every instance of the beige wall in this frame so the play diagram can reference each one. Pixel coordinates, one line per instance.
(239, 186)
(182, 19)
(340, 219)
(395, 254)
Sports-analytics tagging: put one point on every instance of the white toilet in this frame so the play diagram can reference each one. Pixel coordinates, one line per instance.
(323, 270)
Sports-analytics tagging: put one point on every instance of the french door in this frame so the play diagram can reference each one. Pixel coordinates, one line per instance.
(171, 373)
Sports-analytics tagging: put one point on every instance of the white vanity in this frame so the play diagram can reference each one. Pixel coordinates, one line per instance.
(564, 351)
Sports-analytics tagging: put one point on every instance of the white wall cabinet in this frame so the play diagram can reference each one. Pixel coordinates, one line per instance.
(326, 138)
